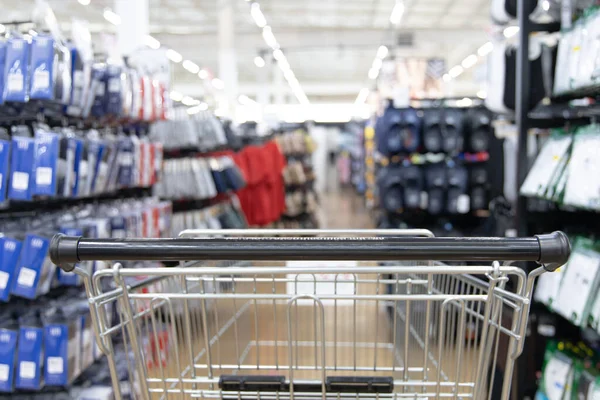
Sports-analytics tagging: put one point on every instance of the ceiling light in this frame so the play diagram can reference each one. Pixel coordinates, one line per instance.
(482, 94)
(174, 56)
(382, 52)
(377, 63)
(84, 2)
(257, 15)
(112, 17)
(218, 84)
(546, 5)
(190, 101)
(373, 73)
(151, 42)
(284, 65)
(197, 109)
(397, 12)
(278, 54)
(259, 61)
(269, 38)
(362, 96)
(456, 71)
(175, 95)
(469, 61)
(203, 74)
(289, 75)
(191, 66)
(485, 49)
(465, 102)
(447, 78)
(511, 31)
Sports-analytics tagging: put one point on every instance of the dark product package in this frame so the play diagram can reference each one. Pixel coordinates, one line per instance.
(113, 91)
(16, 70)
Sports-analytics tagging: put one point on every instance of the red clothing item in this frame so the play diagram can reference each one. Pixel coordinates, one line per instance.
(263, 199)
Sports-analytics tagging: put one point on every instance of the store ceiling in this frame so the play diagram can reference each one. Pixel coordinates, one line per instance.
(330, 44)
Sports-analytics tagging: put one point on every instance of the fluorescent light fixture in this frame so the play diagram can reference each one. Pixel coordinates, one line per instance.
(203, 74)
(218, 84)
(151, 42)
(377, 63)
(112, 17)
(284, 65)
(482, 94)
(257, 15)
(191, 66)
(362, 96)
(174, 56)
(190, 101)
(289, 75)
(485, 49)
(456, 71)
(84, 2)
(382, 52)
(259, 61)
(278, 54)
(175, 95)
(511, 31)
(446, 78)
(373, 73)
(469, 61)
(397, 12)
(269, 38)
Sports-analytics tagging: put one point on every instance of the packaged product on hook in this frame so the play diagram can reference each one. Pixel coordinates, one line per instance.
(9, 332)
(21, 164)
(4, 162)
(35, 271)
(2, 65)
(30, 352)
(113, 91)
(10, 248)
(42, 68)
(46, 159)
(16, 70)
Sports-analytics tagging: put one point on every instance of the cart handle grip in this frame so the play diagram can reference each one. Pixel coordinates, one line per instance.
(552, 250)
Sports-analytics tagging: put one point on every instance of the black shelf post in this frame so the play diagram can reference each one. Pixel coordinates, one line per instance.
(522, 111)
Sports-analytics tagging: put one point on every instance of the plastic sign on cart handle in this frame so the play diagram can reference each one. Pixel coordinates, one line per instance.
(551, 250)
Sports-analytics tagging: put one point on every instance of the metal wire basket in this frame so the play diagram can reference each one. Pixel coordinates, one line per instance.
(313, 314)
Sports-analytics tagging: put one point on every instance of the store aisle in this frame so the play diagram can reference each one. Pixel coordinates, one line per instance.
(344, 209)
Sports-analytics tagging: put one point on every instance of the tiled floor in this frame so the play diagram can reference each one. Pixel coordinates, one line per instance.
(344, 209)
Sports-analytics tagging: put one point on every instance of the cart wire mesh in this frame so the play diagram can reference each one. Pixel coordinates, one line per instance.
(314, 329)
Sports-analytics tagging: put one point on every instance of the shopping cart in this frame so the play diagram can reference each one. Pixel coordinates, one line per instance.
(313, 314)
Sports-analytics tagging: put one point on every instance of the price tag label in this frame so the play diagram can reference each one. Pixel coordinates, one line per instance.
(3, 280)
(43, 176)
(41, 80)
(4, 369)
(26, 277)
(20, 180)
(27, 369)
(55, 365)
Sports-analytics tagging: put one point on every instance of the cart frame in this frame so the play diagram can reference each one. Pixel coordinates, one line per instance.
(443, 315)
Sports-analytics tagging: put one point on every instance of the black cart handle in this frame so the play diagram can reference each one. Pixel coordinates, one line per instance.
(552, 250)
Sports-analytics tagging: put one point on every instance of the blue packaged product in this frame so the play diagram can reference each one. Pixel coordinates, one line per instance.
(16, 70)
(21, 166)
(2, 65)
(29, 358)
(113, 90)
(34, 271)
(4, 165)
(56, 341)
(46, 158)
(8, 352)
(42, 68)
(9, 255)
(98, 106)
